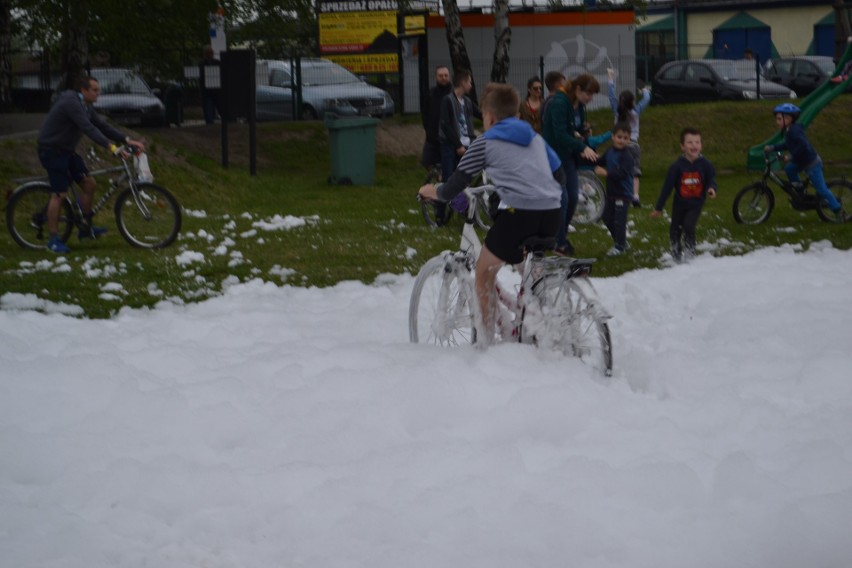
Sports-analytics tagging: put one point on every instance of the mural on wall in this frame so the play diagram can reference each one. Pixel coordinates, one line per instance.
(577, 55)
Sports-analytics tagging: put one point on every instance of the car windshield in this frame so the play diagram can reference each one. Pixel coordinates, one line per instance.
(120, 82)
(315, 75)
(742, 70)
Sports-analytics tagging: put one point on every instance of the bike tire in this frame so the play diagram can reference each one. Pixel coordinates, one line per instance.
(592, 198)
(441, 310)
(753, 204)
(842, 190)
(26, 216)
(153, 222)
(570, 320)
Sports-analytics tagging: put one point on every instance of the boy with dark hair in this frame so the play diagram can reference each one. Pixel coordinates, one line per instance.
(517, 161)
(619, 165)
(802, 156)
(693, 178)
(455, 132)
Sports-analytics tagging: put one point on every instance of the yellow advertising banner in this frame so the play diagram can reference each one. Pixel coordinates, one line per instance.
(355, 32)
(368, 63)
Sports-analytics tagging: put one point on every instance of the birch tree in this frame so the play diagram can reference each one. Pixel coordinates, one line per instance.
(502, 41)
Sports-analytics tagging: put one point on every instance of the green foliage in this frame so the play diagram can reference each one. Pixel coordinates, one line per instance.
(358, 233)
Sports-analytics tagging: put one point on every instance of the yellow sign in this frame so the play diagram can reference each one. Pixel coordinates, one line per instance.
(356, 32)
(415, 25)
(368, 63)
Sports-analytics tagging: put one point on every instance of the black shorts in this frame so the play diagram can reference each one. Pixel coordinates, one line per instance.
(62, 168)
(512, 227)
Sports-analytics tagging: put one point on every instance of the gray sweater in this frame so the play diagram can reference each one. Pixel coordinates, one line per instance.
(69, 120)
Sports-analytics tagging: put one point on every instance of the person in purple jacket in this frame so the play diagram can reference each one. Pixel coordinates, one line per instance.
(802, 156)
(69, 119)
(693, 179)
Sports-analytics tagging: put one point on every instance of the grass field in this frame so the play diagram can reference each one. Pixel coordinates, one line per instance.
(288, 225)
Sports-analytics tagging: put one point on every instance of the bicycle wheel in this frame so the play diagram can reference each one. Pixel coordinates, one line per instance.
(592, 198)
(151, 221)
(430, 210)
(441, 311)
(842, 190)
(26, 216)
(569, 319)
(753, 204)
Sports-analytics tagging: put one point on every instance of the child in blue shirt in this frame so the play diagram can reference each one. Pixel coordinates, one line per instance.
(802, 156)
(619, 165)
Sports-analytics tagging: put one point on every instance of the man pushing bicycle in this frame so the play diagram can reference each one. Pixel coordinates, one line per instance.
(72, 116)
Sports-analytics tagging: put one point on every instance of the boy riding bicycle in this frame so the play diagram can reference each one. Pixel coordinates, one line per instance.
(515, 159)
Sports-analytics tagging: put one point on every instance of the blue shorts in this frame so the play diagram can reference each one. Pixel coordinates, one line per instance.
(62, 168)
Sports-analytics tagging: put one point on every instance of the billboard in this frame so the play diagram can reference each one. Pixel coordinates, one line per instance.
(359, 34)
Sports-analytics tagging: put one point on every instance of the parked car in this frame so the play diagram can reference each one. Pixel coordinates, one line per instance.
(712, 80)
(127, 99)
(326, 87)
(803, 73)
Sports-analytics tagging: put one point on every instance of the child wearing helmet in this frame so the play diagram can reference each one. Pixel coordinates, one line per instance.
(802, 155)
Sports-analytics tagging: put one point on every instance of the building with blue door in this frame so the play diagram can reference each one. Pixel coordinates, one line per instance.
(724, 29)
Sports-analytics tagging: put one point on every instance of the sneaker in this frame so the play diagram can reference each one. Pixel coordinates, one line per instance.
(614, 251)
(54, 244)
(564, 250)
(637, 204)
(92, 232)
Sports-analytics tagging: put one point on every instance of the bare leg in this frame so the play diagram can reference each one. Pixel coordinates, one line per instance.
(486, 275)
(53, 208)
(87, 194)
(635, 188)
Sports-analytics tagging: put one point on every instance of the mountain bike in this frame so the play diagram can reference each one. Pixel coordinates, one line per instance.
(754, 203)
(555, 306)
(148, 215)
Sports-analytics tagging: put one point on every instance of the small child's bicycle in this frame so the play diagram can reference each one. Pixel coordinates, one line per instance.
(754, 203)
(147, 215)
(555, 307)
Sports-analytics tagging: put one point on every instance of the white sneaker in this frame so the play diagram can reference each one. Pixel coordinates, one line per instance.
(614, 252)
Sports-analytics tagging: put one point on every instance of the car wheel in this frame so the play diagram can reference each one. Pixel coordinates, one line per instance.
(308, 113)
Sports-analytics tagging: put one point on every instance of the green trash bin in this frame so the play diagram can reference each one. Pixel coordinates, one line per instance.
(352, 144)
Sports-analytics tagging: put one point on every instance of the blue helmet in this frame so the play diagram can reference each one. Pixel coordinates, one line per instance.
(787, 108)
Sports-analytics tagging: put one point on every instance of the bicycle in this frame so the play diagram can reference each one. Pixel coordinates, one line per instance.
(590, 206)
(754, 203)
(592, 198)
(148, 215)
(555, 307)
(430, 213)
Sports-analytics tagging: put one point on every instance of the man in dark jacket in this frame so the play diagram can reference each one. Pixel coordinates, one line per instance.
(431, 112)
(455, 128)
(69, 119)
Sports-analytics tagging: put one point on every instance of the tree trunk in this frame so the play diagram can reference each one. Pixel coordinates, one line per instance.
(455, 39)
(502, 41)
(5, 55)
(76, 44)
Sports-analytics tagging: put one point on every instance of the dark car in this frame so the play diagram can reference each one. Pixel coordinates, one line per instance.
(127, 99)
(803, 73)
(712, 80)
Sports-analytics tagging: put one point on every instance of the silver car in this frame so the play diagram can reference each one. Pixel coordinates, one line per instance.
(326, 87)
(127, 99)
